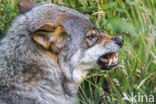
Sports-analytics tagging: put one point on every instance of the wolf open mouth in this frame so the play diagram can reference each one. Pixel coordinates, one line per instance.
(108, 61)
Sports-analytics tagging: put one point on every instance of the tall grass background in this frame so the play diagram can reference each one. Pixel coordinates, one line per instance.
(135, 21)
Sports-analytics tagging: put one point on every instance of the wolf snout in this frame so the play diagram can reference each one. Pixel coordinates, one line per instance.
(118, 40)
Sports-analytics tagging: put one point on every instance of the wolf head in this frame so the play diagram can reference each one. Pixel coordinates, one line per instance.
(61, 40)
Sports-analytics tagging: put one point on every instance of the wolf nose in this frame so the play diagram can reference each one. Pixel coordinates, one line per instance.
(118, 40)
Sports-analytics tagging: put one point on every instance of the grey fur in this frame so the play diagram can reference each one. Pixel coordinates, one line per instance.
(22, 61)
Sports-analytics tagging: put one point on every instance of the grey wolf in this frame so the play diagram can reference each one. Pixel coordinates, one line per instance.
(48, 51)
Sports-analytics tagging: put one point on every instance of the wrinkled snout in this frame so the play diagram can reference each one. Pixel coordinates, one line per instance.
(105, 39)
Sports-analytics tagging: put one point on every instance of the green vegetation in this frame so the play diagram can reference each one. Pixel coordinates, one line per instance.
(135, 21)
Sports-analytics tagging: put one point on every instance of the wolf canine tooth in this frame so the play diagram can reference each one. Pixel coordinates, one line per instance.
(115, 60)
(110, 61)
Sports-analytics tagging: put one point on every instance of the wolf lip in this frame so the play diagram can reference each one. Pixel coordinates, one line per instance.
(108, 61)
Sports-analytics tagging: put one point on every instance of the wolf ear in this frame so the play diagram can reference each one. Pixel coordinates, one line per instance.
(26, 5)
(50, 37)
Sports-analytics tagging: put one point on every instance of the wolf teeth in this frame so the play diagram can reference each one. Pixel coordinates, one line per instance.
(115, 60)
(110, 61)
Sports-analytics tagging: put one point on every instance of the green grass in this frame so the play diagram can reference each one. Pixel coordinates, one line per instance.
(135, 21)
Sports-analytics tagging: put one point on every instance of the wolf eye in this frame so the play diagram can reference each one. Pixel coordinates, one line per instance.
(91, 40)
(91, 34)
(90, 37)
